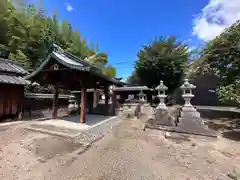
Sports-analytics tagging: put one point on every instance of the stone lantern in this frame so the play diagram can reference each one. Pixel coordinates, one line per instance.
(161, 88)
(190, 121)
(142, 96)
(72, 104)
(187, 96)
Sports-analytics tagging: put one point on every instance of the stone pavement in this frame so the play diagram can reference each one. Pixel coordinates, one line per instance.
(84, 134)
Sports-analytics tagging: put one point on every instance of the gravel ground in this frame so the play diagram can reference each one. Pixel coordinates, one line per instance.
(126, 152)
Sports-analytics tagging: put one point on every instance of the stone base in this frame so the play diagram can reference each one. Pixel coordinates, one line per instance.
(189, 111)
(191, 122)
(127, 114)
(177, 129)
(193, 126)
(161, 106)
(162, 117)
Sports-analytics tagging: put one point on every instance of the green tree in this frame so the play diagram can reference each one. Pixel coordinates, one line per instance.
(165, 59)
(222, 54)
(221, 57)
(22, 59)
(27, 36)
(133, 79)
(110, 71)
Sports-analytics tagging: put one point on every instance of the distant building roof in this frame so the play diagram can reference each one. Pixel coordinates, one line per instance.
(7, 79)
(11, 67)
(11, 73)
(44, 96)
(88, 90)
(132, 88)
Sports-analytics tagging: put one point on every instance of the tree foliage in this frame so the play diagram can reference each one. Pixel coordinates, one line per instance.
(133, 79)
(229, 94)
(110, 71)
(27, 35)
(221, 57)
(223, 54)
(164, 59)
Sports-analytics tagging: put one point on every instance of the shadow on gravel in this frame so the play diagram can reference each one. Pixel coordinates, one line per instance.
(223, 124)
(3, 129)
(232, 135)
(48, 148)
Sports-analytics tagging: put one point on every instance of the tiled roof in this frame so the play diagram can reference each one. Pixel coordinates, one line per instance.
(131, 88)
(45, 96)
(13, 80)
(73, 62)
(12, 67)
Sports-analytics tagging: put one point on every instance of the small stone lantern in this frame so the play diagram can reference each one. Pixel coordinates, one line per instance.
(72, 104)
(142, 96)
(161, 88)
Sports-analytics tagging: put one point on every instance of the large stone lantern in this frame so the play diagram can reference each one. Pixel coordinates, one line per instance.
(161, 88)
(190, 121)
(187, 96)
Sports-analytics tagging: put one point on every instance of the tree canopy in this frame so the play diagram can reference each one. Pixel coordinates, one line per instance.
(166, 58)
(27, 35)
(221, 57)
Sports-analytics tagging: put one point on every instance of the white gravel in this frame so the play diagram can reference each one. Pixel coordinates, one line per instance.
(126, 153)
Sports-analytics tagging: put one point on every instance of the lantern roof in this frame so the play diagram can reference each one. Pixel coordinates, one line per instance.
(187, 85)
(161, 86)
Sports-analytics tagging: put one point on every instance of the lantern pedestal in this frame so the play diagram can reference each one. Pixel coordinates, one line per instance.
(188, 109)
(162, 105)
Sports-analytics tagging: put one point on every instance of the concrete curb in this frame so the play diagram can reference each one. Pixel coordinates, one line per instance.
(53, 133)
(100, 123)
(9, 123)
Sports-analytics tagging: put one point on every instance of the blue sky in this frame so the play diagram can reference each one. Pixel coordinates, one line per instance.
(121, 27)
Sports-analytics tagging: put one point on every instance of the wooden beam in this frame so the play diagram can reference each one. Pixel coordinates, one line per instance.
(83, 105)
(55, 102)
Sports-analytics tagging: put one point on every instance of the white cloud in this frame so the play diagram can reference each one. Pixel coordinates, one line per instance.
(215, 17)
(69, 7)
(191, 48)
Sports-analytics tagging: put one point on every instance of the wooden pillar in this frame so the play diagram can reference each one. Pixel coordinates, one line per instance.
(83, 105)
(106, 100)
(90, 103)
(55, 102)
(114, 99)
